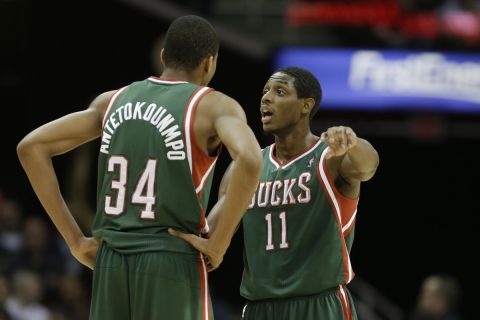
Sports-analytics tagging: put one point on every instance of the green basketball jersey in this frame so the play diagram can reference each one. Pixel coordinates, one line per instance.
(151, 173)
(298, 230)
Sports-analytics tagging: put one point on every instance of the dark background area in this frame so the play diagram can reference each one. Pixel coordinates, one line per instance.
(417, 216)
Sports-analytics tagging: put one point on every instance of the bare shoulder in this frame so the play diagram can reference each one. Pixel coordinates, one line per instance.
(216, 103)
(100, 102)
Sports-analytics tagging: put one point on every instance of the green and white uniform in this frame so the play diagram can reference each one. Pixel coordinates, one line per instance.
(298, 232)
(151, 176)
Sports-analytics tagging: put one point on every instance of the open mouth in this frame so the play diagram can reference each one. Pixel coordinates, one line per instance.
(266, 117)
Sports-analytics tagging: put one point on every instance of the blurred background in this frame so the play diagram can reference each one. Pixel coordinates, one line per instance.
(403, 74)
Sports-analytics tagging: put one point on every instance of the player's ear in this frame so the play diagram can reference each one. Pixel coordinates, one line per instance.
(162, 58)
(307, 106)
(209, 64)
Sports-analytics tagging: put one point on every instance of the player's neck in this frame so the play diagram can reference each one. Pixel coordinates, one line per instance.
(180, 75)
(291, 145)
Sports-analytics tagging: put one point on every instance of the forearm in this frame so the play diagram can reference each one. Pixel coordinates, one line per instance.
(242, 185)
(39, 169)
(360, 161)
(213, 215)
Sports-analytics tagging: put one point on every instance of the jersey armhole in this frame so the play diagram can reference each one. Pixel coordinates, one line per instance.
(201, 164)
(195, 147)
(347, 206)
(110, 104)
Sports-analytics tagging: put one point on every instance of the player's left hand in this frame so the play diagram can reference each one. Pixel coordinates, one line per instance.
(340, 139)
(212, 259)
(85, 251)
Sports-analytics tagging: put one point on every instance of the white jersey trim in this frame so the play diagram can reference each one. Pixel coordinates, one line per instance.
(290, 162)
(331, 194)
(345, 227)
(165, 81)
(110, 104)
(205, 289)
(205, 176)
(344, 295)
(328, 186)
(206, 228)
(188, 124)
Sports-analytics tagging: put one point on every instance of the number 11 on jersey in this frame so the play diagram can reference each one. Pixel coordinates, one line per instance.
(284, 243)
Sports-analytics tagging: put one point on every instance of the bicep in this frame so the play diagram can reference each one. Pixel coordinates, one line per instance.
(343, 177)
(346, 170)
(68, 132)
(342, 167)
(232, 129)
(223, 118)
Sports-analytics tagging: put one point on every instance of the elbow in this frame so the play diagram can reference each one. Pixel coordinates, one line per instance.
(26, 150)
(368, 174)
(252, 161)
(365, 176)
(23, 149)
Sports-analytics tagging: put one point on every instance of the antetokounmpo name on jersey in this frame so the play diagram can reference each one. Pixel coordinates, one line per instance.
(282, 192)
(153, 114)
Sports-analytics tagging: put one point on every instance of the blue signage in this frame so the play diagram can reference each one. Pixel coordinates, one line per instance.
(391, 80)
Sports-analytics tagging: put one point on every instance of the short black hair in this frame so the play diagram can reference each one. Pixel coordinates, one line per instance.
(306, 84)
(189, 40)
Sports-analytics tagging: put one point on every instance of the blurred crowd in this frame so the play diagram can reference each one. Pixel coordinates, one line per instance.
(39, 279)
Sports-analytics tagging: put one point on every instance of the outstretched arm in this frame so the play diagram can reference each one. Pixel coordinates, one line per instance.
(350, 159)
(35, 152)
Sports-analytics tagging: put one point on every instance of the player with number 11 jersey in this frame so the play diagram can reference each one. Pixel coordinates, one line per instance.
(297, 222)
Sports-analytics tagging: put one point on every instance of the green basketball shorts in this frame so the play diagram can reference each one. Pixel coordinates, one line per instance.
(333, 304)
(149, 286)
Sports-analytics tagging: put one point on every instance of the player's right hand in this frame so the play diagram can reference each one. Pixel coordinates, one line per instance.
(340, 140)
(212, 259)
(85, 251)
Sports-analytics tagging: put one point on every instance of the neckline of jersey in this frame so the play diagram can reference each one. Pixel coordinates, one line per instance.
(165, 80)
(302, 154)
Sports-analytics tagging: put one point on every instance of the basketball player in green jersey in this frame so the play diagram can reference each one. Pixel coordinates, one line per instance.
(160, 138)
(299, 227)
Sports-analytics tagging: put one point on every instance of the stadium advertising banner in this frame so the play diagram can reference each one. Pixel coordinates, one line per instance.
(391, 80)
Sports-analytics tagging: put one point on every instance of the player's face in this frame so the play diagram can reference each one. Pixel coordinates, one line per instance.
(280, 106)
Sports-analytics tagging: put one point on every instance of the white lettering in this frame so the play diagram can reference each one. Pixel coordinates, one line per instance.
(157, 116)
(165, 122)
(104, 148)
(153, 114)
(171, 133)
(149, 112)
(128, 111)
(106, 137)
(288, 197)
(108, 127)
(426, 74)
(119, 111)
(176, 155)
(114, 122)
(137, 112)
(175, 145)
(304, 197)
(294, 191)
(276, 200)
(263, 202)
